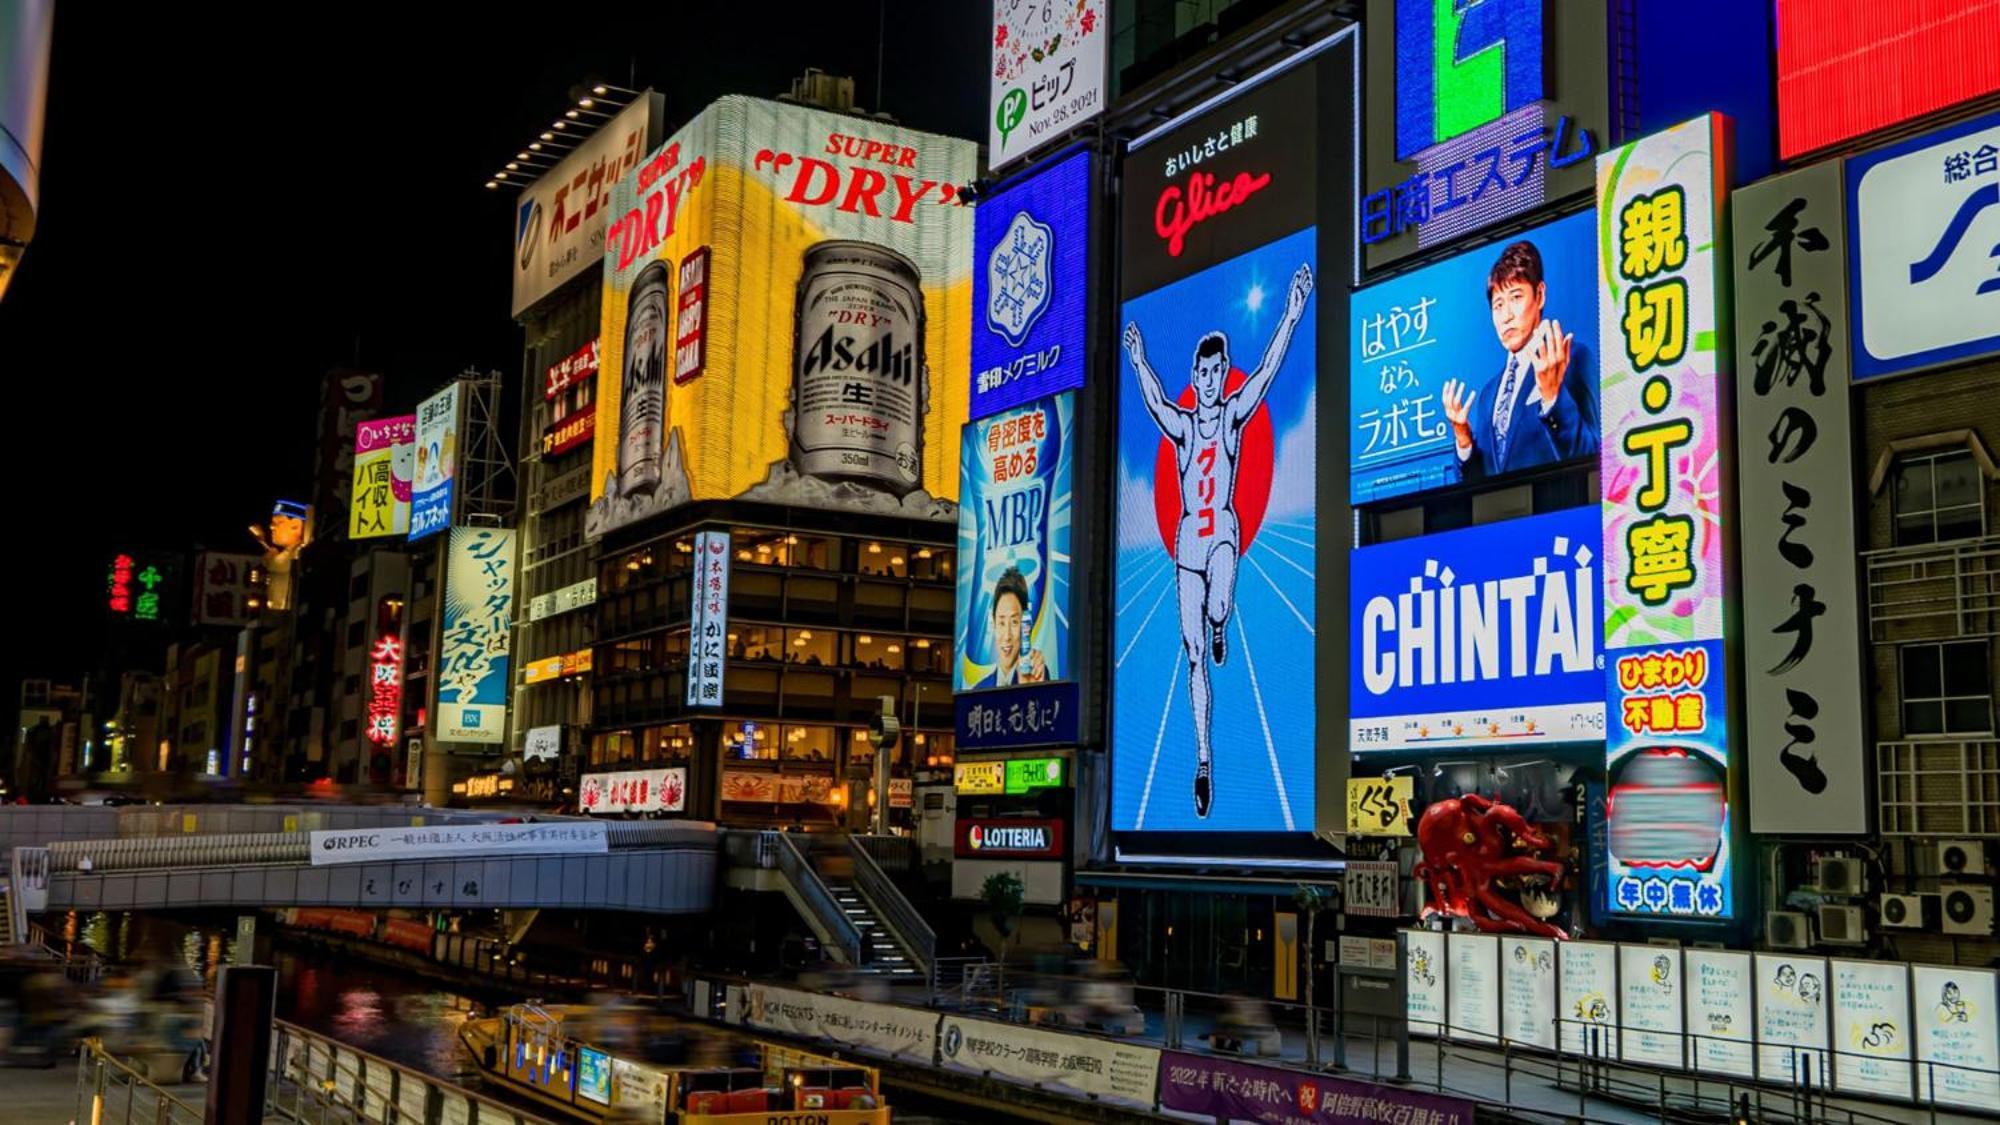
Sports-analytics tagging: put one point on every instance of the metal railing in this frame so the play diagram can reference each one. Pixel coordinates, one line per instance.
(905, 925)
(108, 1089)
(816, 898)
(316, 1079)
(80, 962)
(893, 854)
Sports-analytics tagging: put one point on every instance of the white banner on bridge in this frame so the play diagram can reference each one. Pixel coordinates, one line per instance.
(878, 1029)
(371, 845)
(1078, 1065)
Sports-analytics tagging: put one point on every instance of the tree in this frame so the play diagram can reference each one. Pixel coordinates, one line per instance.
(1309, 899)
(1002, 894)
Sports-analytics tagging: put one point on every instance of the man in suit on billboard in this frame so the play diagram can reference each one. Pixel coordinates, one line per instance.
(1531, 415)
(1010, 614)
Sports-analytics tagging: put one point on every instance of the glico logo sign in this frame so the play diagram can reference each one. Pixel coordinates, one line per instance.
(1461, 64)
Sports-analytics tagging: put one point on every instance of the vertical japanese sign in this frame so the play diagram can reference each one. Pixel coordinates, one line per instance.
(477, 639)
(1666, 509)
(1031, 269)
(385, 674)
(1926, 216)
(137, 588)
(385, 454)
(1791, 1018)
(708, 620)
(1801, 639)
(1048, 72)
(431, 503)
(226, 588)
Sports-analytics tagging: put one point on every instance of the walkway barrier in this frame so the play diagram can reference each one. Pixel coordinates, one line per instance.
(314, 1078)
(109, 1089)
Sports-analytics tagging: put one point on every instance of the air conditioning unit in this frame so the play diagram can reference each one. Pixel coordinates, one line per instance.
(1786, 929)
(1961, 857)
(1967, 909)
(1841, 875)
(1909, 912)
(1842, 925)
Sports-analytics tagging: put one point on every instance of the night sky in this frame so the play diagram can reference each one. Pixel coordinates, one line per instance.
(221, 222)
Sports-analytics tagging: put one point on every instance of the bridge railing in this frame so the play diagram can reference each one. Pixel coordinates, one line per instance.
(315, 1078)
(109, 1089)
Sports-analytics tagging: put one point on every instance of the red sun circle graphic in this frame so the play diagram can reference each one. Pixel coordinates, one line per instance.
(1253, 472)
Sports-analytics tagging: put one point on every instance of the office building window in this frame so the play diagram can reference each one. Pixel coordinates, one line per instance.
(1947, 688)
(1939, 497)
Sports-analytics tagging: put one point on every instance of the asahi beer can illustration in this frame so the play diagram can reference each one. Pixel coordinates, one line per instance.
(861, 385)
(641, 417)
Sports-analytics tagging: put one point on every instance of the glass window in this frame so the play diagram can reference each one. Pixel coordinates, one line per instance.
(931, 564)
(929, 657)
(815, 552)
(1939, 497)
(1947, 689)
(749, 742)
(874, 651)
(875, 556)
(669, 743)
(613, 747)
(762, 547)
(807, 743)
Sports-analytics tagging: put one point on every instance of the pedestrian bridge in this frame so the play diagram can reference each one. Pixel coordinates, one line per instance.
(166, 861)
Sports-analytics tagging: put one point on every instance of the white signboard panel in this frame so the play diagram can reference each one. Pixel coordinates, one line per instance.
(1424, 990)
(1871, 1020)
(1958, 1038)
(1047, 75)
(1649, 1003)
(1528, 1004)
(1791, 1018)
(1083, 1066)
(1720, 1014)
(372, 845)
(1474, 987)
(876, 1029)
(1587, 997)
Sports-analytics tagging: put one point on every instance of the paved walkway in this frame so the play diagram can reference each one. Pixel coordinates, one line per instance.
(48, 1097)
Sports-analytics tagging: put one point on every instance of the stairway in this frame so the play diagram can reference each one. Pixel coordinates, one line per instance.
(882, 956)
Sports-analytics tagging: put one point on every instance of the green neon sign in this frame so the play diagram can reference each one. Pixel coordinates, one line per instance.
(1025, 775)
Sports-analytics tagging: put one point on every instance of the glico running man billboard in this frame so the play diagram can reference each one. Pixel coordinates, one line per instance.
(1486, 636)
(1031, 261)
(1013, 573)
(787, 304)
(1213, 699)
(1477, 367)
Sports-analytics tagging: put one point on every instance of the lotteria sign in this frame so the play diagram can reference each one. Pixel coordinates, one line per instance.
(1012, 839)
(1485, 636)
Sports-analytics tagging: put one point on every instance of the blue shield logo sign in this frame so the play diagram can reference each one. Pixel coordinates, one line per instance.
(1017, 278)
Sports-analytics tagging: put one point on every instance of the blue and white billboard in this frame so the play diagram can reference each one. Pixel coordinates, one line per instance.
(1031, 250)
(477, 637)
(1488, 636)
(1476, 367)
(1013, 547)
(1924, 249)
(1213, 725)
(432, 486)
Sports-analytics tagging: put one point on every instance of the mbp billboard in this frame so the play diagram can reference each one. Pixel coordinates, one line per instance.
(431, 488)
(787, 313)
(1472, 369)
(1031, 267)
(1486, 636)
(1224, 247)
(1013, 604)
(1477, 112)
(1668, 509)
(1048, 72)
(476, 637)
(385, 456)
(559, 220)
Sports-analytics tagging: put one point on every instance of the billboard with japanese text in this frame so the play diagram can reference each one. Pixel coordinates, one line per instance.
(708, 620)
(228, 588)
(434, 479)
(1224, 250)
(385, 461)
(787, 313)
(1031, 269)
(476, 636)
(1480, 366)
(1486, 636)
(1475, 113)
(1668, 508)
(1049, 73)
(1013, 604)
(559, 219)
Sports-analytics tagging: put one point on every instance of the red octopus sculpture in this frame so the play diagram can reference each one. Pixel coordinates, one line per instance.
(1474, 849)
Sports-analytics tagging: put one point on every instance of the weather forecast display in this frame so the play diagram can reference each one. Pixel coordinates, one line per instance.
(1213, 713)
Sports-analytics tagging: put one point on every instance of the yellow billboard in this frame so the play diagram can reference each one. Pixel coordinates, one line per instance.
(787, 318)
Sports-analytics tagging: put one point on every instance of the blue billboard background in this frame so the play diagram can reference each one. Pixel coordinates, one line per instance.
(1030, 256)
(1262, 724)
(1487, 636)
(1015, 473)
(1413, 333)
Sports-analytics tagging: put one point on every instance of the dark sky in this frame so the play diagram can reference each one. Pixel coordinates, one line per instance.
(227, 211)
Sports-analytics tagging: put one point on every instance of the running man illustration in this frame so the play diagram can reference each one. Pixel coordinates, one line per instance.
(1208, 440)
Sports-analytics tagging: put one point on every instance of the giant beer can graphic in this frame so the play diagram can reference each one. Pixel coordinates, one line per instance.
(860, 386)
(642, 407)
